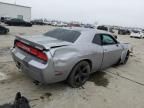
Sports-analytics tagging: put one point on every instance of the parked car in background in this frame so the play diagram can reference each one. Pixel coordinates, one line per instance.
(108, 29)
(48, 23)
(105, 28)
(70, 54)
(123, 32)
(4, 19)
(61, 24)
(89, 26)
(3, 30)
(74, 25)
(18, 22)
(54, 23)
(38, 22)
(137, 34)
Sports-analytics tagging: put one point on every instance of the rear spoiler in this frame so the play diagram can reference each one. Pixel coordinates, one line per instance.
(33, 44)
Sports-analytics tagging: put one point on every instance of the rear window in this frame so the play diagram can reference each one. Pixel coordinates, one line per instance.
(63, 34)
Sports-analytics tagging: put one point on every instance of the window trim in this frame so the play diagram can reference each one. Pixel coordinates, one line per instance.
(100, 39)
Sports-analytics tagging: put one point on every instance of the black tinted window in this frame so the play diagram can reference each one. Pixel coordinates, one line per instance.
(97, 39)
(17, 20)
(63, 34)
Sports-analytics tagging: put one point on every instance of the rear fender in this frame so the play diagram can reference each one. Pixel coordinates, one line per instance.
(64, 60)
(63, 56)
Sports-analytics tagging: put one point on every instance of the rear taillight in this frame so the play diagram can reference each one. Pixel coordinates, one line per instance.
(36, 52)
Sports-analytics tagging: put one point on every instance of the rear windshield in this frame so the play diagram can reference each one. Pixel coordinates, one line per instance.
(63, 34)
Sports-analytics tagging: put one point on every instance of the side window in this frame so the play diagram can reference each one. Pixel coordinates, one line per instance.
(19, 20)
(97, 39)
(108, 40)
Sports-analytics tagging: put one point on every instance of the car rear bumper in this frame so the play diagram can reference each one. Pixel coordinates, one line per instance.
(29, 70)
(32, 72)
(43, 73)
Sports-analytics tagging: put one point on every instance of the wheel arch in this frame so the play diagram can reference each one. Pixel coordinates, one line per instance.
(87, 60)
(123, 55)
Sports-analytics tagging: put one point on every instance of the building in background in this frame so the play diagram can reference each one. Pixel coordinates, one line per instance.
(15, 11)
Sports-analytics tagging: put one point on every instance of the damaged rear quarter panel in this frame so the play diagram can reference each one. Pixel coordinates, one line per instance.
(64, 59)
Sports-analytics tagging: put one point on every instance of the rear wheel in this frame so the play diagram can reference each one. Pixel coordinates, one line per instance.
(79, 74)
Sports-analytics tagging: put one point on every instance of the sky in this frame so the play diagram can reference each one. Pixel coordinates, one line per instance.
(129, 13)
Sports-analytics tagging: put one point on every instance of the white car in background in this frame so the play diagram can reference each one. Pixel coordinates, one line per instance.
(137, 34)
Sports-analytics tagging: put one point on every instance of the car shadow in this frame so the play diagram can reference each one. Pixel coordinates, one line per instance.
(99, 79)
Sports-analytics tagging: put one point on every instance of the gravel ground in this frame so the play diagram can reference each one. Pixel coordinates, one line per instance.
(116, 87)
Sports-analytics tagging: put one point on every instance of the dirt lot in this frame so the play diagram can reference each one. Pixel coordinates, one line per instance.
(116, 87)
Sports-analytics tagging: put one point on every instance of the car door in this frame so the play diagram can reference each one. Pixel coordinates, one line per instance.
(22, 22)
(15, 22)
(112, 50)
(97, 52)
(19, 22)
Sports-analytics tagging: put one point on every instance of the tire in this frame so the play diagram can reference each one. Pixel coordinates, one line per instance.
(3, 32)
(126, 58)
(79, 74)
(118, 62)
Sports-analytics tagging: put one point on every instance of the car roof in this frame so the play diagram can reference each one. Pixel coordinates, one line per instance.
(81, 29)
(87, 34)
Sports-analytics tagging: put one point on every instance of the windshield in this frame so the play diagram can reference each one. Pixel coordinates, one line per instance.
(63, 34)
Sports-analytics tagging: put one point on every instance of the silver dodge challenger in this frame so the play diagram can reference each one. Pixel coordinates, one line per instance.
(68, 54)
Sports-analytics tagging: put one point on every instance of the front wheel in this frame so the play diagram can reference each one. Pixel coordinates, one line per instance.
(79, 74)
(126, 58)
(3, 32)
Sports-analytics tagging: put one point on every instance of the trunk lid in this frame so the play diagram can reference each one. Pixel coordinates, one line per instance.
(42, 42)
